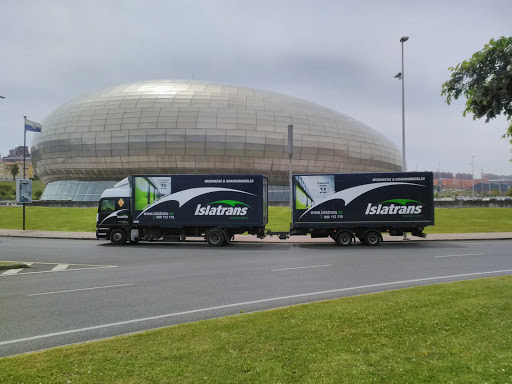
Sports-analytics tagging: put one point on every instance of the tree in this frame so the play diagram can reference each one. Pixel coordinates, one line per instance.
(14, 171)
(486, 81)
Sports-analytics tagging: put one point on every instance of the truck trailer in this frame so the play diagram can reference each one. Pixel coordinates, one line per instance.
(362, 205)
(172, 207)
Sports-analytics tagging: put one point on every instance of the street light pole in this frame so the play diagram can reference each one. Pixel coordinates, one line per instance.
(404, 167)
(401, 76)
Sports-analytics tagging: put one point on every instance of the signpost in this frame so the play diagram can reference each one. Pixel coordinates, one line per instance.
(24, 194)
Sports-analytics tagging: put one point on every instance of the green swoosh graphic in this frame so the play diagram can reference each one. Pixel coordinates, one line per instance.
(229, 202)
(401, 201)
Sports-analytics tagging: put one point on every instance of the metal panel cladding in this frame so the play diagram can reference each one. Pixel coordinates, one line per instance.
(193, 127)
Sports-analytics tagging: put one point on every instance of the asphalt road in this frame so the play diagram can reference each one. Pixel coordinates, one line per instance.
(80, 290)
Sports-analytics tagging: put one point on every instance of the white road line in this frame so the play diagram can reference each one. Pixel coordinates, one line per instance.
(80, 289)
(28, 264)
(310, 266)
(67, 270)
(82, 265)
(60, 267)
(466, 254)
(12, 271)
(244, 303)
(486, 242)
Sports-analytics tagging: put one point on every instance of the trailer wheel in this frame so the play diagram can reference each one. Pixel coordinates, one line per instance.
(344, 239)
(215, 237)
(372, 238)
(118, 236)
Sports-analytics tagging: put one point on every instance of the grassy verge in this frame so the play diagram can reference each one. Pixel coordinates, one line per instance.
(49, 219)
(449, 333)
(472, 220)
(463, 220)
(11, 265)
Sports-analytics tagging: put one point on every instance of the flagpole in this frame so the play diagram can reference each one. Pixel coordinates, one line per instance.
(24, 144)
(24, 151)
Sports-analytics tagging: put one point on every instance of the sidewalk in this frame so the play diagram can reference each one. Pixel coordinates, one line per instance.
(268, 239)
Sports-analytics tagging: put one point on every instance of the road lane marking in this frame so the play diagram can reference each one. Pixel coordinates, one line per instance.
(31, 338)
(309, 266)
(481, 241)
(12, 271)
(55, 263)
(66, 270)
(80, 289)
(60, 267)
(465, 254)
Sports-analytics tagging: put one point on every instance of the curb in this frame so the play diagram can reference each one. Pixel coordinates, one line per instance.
(269, 239)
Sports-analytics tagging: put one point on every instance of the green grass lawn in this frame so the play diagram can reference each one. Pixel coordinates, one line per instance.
(462, 220)
(472, 220)
(49, 219)
(449, 333)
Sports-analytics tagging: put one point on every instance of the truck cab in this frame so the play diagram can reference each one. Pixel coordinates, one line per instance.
(113, 217)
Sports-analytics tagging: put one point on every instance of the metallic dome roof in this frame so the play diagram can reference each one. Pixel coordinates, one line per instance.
(184, 127)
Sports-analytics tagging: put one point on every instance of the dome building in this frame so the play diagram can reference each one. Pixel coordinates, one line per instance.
(193, 127)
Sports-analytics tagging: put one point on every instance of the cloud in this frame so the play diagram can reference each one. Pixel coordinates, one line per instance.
(340, 54)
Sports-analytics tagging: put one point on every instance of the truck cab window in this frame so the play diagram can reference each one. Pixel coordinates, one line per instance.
(108, 205)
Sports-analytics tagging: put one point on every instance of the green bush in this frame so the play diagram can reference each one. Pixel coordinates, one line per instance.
(7, 191)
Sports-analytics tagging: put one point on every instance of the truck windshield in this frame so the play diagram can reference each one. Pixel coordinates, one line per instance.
(108, 205)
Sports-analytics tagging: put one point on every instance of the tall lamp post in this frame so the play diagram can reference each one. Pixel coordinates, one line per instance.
(401, 76)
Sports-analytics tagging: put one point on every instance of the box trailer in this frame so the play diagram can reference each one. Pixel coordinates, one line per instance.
(362, 205)
(150, 207)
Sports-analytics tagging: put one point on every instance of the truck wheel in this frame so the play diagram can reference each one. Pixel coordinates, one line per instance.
(118, 237)
(344, 239)
(372, 238)
(215, 237)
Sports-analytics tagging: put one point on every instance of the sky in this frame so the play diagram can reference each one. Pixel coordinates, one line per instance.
(340, 54)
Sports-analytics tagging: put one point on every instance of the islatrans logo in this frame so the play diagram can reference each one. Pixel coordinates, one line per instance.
(395, 207)
(224, 208)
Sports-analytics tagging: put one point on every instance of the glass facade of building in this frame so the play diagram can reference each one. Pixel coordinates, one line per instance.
(193, 127)
(73, 190)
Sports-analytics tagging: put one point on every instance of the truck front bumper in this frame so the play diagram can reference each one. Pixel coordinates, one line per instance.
(101, 233)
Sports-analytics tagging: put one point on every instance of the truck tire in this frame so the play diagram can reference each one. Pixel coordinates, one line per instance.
(118, 236)
(215, 237)
(372, 238)
(344, 239)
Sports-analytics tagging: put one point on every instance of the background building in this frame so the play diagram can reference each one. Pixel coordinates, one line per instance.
(192, 127)
(5, 170)
(16, 154)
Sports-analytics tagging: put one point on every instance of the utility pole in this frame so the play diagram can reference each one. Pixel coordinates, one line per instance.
(473, 176)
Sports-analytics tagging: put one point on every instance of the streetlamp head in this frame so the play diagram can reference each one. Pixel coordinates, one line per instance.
(404, 39)
(398, 76)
